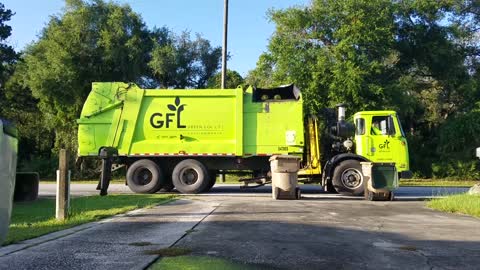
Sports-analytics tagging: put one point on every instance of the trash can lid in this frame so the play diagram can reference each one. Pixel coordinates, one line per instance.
(384, 164)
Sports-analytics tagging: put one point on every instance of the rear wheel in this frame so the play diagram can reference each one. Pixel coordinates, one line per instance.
(348, 178)
(144, 176)
(190, 176)
(212, 180)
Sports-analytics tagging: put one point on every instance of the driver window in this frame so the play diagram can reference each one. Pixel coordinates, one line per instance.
(380, 126)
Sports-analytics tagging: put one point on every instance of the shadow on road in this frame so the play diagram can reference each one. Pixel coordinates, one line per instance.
(292, 245)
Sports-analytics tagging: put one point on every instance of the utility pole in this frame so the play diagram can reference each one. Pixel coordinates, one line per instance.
(63, 187)
(224, 49)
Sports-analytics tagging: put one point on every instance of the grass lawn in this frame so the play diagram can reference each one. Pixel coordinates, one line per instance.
(200, 263)
(32, 219)
(437, 182)
(461, 203)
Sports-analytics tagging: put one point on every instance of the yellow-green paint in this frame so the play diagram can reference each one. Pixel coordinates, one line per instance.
(391, 148)
(211, 121)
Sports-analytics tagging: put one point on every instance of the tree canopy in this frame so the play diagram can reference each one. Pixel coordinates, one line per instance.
(7, 53)
(105, 41)
(179, 62)
(233, 80)
(418, 57)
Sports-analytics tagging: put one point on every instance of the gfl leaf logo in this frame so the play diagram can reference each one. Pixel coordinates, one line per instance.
(384, 145)
(156, 118)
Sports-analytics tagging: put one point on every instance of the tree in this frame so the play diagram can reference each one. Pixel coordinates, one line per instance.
(179, 62)
(234, 79)
(7, 53)
(90, 41)
(19, 106)
(418, 57)
(336, 51)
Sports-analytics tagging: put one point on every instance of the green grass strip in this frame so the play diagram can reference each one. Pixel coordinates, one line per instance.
(33, 219)
(201, 263)
(437, 183)
(461, 203)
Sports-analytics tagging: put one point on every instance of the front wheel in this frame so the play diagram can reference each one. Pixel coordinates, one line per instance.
(348, 178)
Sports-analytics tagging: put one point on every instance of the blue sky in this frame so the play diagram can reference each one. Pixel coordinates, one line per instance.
(249, 28)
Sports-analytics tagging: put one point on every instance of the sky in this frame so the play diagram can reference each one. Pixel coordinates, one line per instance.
(248, 32)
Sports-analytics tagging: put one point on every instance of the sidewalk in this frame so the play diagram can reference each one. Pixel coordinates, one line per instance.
(120, 242)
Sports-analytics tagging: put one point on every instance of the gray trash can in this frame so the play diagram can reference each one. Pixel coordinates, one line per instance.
(284, 177)
(8, 168)
(26, 186)
(380, 180)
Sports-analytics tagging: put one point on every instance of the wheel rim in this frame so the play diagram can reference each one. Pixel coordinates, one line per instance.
(189, 176)
(143, 176)
(352, 178)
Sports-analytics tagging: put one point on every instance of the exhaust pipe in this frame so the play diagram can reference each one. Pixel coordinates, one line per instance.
(343, 129)
(341, 112)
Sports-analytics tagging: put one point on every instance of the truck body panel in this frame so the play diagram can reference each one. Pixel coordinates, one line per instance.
(155, 122)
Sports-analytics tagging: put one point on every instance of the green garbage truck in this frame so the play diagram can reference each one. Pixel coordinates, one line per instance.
(170, 138)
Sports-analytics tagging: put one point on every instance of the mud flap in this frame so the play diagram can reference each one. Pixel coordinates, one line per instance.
(105, 176)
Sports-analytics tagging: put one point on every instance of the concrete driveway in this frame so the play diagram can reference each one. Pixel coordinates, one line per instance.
(317, 232)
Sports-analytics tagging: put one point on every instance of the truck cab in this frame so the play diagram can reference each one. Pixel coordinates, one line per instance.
(379, 137)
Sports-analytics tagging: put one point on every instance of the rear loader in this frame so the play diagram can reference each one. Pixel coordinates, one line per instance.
(182, 138)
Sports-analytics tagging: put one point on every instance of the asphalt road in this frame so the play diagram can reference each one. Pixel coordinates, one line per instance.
(320, 231)
(309, 191)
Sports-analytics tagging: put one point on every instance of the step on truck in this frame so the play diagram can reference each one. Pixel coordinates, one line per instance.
(182, 139)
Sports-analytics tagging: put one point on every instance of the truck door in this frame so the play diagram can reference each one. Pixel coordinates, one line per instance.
(380, 132)
(388, 143)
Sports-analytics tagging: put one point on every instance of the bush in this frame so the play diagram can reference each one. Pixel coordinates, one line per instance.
(461, 170)
(45, 167)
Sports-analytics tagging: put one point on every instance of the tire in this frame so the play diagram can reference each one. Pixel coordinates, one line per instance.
(348, 178)
(145, 176)
(211, 183)
(190, 176)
